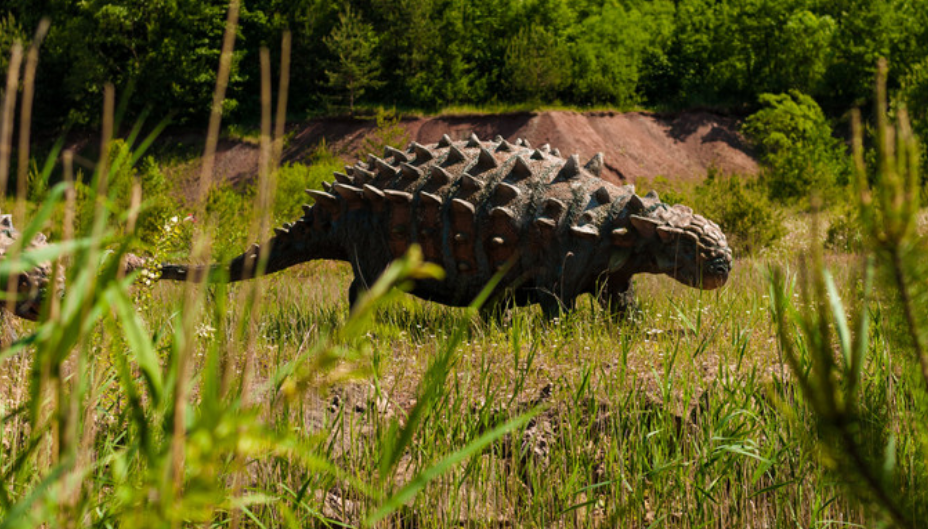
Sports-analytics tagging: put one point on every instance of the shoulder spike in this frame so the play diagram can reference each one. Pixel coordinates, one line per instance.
(553, 207)
(445, 141)
(646, 226)
(462, 206)
(454, 156)
(526, 144)
(327, 201)
(326, 186)
(595, 165)
(545, 223)
(538, 155)
(587, 231)
(384, 168)
(307, 209)
(281, 231)
(439, 176)
(502, 212)
(410, 172)
(473, 141)
(430, 199)
(619, 236)
(506, 192)
(571, 169)
(556, 152)
(546, 148)
(373, 194)
(342, 178)
(423, 154)
(485, 159)
(350, 194)
(362, 176)
(504, 146)
(470, 183)
(520, 142)
(521, 169)
(400, 197)
(652, 194)
(634, 204)
(602, 195)
(397, 154)
(498, 139)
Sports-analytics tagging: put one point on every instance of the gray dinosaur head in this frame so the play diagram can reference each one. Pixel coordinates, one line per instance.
(683, 245)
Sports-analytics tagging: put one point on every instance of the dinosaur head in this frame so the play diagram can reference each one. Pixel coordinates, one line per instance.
(683, 245)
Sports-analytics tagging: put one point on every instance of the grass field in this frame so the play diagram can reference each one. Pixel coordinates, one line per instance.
(426, 416)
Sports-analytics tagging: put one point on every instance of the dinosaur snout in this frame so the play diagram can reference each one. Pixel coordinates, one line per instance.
(715, 273)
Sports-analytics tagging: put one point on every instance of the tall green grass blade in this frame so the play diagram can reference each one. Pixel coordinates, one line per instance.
(420, 480)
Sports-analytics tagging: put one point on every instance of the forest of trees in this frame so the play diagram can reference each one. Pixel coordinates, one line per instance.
(428, 54)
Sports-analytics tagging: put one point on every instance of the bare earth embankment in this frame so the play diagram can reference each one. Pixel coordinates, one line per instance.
(635, 144)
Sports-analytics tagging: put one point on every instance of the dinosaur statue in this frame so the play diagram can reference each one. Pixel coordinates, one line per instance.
(32, 284)
(553, 227)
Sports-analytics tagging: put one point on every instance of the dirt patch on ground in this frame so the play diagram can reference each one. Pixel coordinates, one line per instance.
(635, 144)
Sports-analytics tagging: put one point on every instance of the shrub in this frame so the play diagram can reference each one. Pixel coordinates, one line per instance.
(795, 146)
(742, 210)
(294, 178)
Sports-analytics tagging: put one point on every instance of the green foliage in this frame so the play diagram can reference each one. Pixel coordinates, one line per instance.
(294, 178)
(537, 64)
(741, 208)
(795, 145)
(356, 67)
(833, 349)
(162, 54)
(389, 132)
(845, 234)
(914, 95)
(10, 32)
(608, 53)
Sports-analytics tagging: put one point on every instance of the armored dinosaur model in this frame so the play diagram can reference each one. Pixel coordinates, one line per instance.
(476, 207)
(31, 285)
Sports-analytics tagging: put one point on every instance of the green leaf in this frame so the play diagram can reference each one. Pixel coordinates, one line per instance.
(427, 475)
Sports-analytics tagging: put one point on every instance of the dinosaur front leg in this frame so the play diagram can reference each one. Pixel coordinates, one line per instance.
(617, 295)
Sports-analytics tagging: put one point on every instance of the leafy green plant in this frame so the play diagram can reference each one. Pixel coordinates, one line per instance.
(742, 210)
(294, 178)
(861, 429)
(389, 132)
(356, 67)
(794, 142)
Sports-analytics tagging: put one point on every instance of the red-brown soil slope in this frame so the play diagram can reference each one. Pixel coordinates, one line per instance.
(635, 144)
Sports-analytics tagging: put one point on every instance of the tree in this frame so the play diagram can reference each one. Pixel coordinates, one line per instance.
(537, 63)
(356, 66)
(795, 144)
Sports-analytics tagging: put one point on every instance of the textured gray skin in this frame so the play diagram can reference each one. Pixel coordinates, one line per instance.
(475, 206)
(31, 285)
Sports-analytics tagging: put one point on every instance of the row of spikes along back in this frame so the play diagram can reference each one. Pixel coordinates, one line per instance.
(507, 184)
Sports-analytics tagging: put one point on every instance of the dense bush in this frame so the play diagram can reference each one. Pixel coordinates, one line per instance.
(796, 146)
(741, 207)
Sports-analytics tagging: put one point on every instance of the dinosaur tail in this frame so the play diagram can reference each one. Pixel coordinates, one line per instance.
(293, 244)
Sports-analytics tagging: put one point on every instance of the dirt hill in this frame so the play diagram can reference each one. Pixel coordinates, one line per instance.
(636, 144)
